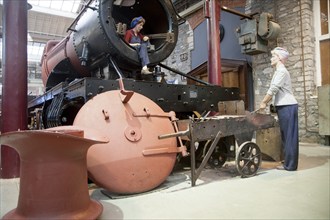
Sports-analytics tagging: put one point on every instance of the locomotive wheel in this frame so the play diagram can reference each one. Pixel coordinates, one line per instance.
(135, 160)
(248, 159)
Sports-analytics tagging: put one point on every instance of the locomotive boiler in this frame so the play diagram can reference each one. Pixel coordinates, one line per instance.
(92, 79)
(97, 34)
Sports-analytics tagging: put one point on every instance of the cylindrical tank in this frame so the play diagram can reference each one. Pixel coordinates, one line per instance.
(98, 34)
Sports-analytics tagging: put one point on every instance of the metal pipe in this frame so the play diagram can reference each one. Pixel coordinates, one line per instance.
(183, 74)
(14, 91)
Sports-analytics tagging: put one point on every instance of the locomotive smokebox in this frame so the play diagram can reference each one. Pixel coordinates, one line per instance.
(98, 32)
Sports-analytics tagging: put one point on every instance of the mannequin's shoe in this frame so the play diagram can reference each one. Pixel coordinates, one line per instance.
(281, 167)
(146, 71)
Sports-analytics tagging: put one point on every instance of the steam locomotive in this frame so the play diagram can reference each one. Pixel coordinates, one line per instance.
(92, 79)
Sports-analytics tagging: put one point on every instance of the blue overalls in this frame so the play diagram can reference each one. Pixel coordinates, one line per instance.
(142, 49)
(288, 120)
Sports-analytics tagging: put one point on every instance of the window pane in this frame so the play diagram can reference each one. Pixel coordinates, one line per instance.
(324, 17)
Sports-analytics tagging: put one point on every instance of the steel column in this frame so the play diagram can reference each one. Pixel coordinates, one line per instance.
(14, 90)
(212, 14)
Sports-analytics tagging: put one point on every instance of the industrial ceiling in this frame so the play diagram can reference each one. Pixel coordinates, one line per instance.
(47, 20)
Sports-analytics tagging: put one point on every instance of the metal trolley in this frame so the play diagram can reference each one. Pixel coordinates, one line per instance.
(241, 126)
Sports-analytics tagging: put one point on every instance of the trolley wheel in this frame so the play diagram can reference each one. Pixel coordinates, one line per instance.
(218, 160)
(248, 159)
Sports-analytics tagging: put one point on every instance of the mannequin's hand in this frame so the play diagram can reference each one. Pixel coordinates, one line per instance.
(262, 105)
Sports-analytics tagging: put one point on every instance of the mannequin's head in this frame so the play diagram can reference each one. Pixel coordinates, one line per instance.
(279, 54)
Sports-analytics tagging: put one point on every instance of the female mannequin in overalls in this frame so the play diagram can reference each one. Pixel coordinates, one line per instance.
(286, 107)
(134, 38)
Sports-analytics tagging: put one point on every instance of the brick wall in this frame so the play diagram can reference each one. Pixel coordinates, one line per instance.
(180, 58)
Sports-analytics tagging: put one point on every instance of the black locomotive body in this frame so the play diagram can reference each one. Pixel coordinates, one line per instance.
(94, 56)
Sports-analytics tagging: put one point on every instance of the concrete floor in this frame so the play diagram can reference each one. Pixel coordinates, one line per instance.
(222, 194)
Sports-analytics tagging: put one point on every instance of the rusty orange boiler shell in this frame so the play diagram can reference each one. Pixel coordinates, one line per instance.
(134, 160)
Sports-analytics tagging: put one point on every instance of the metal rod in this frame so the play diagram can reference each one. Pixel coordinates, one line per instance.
(79, 15)
(206, 158)
(192, 161)
(183, 74)
(116, 67)
(235, 12)
(177, 134)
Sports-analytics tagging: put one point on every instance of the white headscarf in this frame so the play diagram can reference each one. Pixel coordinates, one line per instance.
(282, 53)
